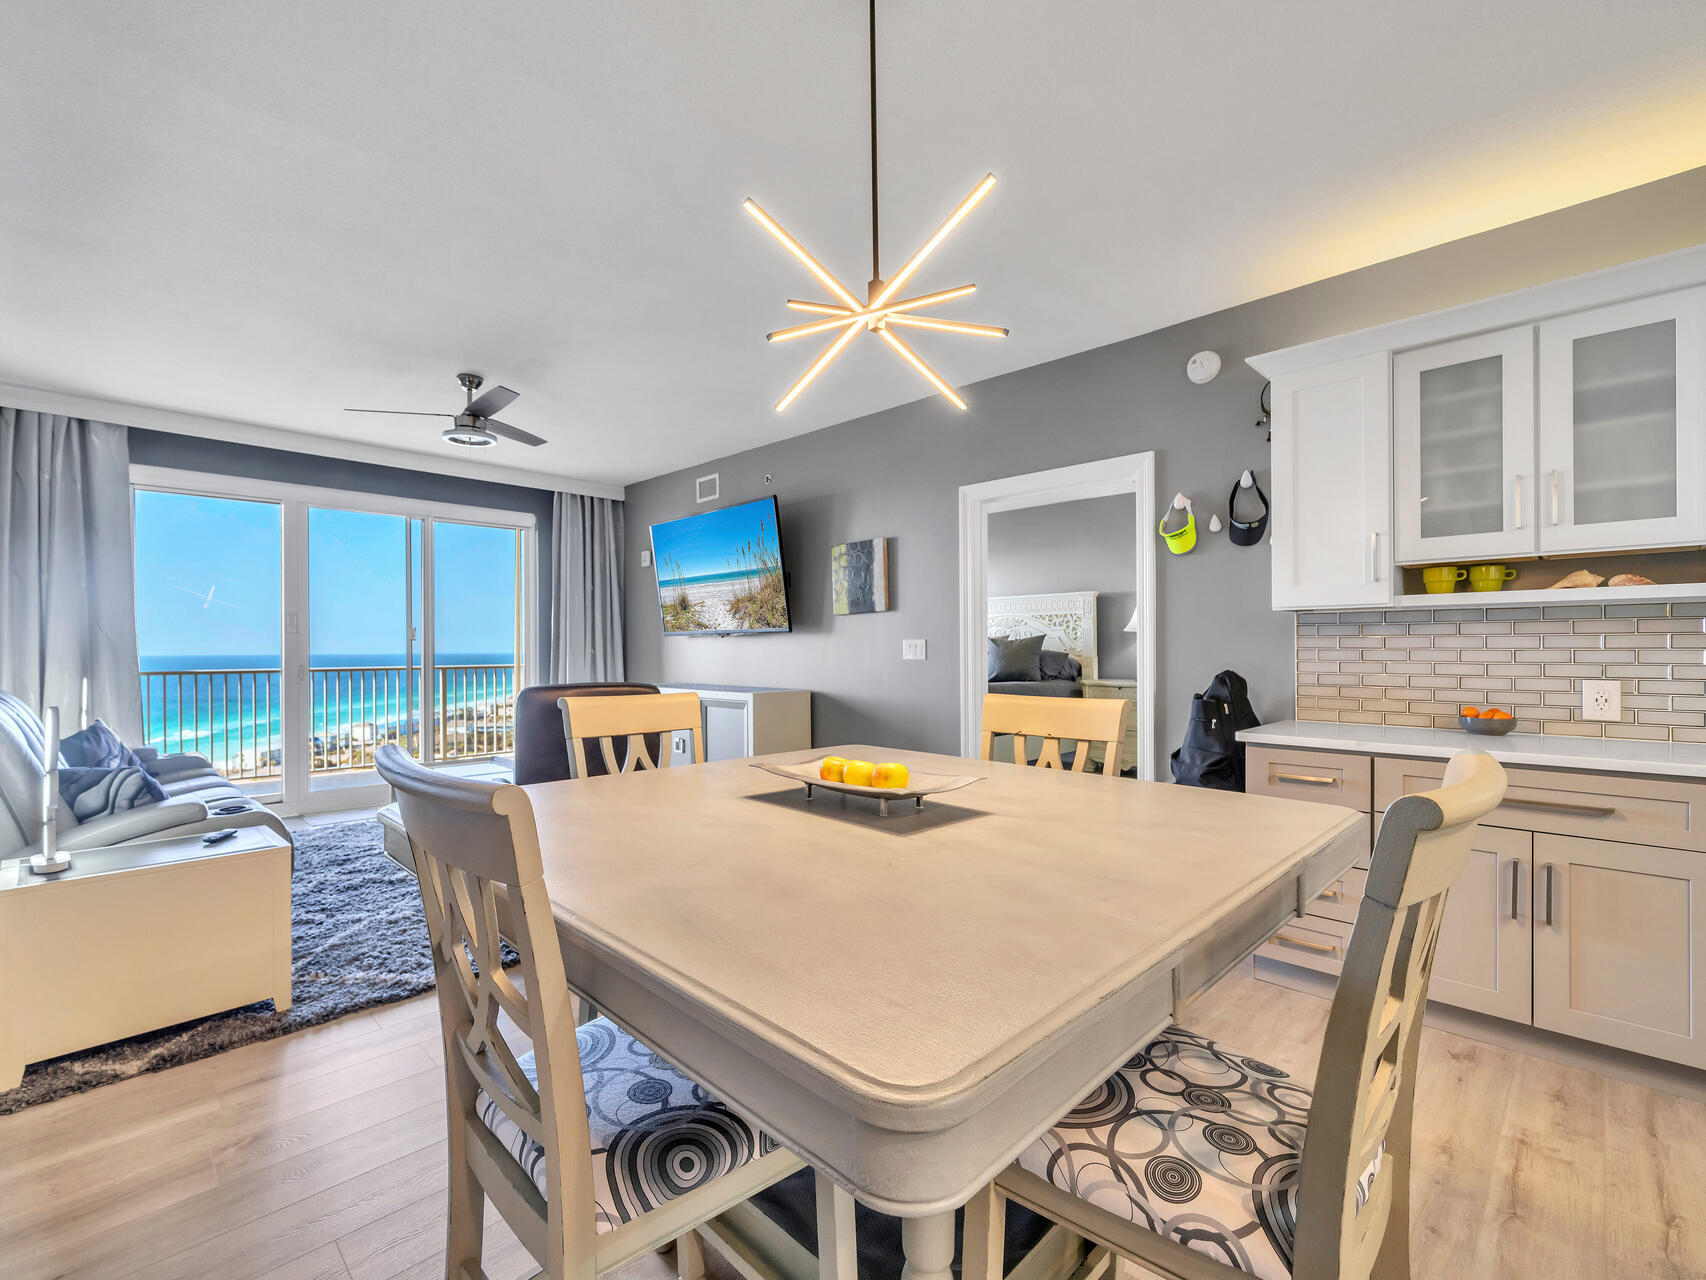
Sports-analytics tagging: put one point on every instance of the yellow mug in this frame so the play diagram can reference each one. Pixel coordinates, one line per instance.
(1440, 579)
(1489, 577)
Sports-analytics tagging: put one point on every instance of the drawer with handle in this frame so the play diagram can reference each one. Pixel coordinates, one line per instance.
(1311, 942)
(1328, 777)
(1340, 900)
(1652, 811)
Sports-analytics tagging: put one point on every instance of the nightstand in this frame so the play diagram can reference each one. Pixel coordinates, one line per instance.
(1105, 687)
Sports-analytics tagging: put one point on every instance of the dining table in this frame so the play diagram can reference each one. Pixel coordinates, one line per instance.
(907, 1001)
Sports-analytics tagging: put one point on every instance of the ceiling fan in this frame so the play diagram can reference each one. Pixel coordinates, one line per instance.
(474, 427)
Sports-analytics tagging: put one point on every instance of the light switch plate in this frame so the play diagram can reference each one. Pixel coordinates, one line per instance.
(645, 559)
(1602, 699)
(912, 650)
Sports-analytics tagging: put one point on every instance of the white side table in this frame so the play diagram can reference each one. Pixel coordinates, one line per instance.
(1103, 687)
(139, 937)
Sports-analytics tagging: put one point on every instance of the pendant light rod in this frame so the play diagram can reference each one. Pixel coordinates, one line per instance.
(876, 271)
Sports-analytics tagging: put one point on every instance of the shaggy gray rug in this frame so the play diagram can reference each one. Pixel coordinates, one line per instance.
(358, 939)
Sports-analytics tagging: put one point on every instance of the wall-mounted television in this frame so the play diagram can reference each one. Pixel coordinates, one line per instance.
(720, 573)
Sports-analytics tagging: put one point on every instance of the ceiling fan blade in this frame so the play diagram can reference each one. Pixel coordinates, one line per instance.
(493, 401)
(510, 433)
(407, 413)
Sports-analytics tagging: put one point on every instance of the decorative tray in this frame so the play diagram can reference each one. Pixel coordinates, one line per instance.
(917, 787)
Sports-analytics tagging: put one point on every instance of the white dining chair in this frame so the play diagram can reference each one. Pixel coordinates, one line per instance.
(592, 1148)
(1200, 1163)
(1081, 721)
(643, 723)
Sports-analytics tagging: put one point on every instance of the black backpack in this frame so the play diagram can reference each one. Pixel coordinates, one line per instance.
(1211, 755)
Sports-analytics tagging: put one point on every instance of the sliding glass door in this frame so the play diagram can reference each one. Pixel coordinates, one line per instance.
(312, 627)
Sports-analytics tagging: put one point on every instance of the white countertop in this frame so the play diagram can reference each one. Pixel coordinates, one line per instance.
(1543, 750)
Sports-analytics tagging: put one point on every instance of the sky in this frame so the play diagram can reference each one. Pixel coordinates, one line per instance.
(208, 581)
(707, 542)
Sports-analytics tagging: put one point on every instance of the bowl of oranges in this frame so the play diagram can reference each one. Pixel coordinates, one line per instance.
(1489, 720)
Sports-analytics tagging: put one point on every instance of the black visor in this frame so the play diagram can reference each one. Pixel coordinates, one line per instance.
(1242, 533)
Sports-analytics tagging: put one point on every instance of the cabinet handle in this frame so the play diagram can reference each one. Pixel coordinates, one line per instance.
(1561, 806)
(1374, 556)
(1548, 894)
(1516, 887)
(1303, 944)
(1554, 495)
(1332, 895)
(1307, 779)
(1519, 501)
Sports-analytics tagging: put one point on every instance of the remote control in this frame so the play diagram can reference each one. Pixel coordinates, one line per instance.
(214, 837)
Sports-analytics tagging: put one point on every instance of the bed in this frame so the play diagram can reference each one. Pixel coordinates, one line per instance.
(1067, 622)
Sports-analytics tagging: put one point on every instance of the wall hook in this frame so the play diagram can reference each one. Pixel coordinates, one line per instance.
(1214, 521)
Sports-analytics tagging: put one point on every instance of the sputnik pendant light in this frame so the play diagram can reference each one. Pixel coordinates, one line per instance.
(880, 313)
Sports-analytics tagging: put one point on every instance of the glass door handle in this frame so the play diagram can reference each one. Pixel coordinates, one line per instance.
(1554, 495)
(1518, 483)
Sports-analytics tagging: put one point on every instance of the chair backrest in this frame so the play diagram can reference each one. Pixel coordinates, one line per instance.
(642, 722)
(22, 742)
(541, 753)
(476, 851)
(1054, 720)
(1365, 1085)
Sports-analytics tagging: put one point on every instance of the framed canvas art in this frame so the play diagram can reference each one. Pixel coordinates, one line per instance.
(859, 576)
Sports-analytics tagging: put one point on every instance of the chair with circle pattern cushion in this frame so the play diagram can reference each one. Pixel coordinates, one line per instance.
(1200, 1163)
(592, 1148)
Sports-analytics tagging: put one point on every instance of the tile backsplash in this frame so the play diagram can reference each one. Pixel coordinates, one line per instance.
(1418, 666)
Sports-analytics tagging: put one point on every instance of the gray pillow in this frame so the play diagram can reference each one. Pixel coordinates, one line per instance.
(97, 747)
(99, 793)
(1015, 659)
(1059, 666)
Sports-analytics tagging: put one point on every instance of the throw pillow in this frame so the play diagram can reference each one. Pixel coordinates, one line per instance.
(1017, 658)
(1059, 666)
(96, 793)
(97, 747)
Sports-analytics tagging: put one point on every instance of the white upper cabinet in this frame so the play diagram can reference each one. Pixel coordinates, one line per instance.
(1622, 435)
(1332, 475)
(1464, 449)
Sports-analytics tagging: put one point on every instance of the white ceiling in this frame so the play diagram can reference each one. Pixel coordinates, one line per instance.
(264, 213)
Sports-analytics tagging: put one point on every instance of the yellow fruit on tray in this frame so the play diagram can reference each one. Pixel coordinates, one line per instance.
(832, 768)
(891, 775)
(859, 773)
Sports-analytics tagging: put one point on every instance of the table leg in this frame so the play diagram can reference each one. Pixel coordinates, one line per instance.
(929, 1246)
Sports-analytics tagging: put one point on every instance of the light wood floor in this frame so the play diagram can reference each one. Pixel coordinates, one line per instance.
(320, 1156)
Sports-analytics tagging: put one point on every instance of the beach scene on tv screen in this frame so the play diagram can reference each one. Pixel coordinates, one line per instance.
(721, 571)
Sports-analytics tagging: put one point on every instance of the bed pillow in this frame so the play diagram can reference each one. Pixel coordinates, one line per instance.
(97, 793)
(1015, 658)
(1059, 666)
(97, 747)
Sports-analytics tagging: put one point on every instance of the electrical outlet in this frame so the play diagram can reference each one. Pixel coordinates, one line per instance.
(1602, 699)
(912, 650)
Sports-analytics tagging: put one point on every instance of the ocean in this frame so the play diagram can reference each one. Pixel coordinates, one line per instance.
(228, 706)
(694, 579)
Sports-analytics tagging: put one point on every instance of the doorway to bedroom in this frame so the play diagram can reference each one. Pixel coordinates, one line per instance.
(1057, 596)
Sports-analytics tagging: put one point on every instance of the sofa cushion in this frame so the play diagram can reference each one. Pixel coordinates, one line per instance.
(98, 793)
(97, 747)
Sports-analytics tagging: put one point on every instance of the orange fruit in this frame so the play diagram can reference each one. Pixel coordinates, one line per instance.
(1493, 713)
(859, 773)
(832, 768)
(891, 775)
(1470, 713)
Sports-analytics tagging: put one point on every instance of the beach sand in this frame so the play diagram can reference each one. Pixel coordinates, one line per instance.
(710, 601)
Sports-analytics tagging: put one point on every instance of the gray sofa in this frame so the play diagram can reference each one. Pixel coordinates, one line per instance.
(192, 785)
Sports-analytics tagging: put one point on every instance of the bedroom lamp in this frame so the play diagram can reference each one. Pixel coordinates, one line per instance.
(1136, 618)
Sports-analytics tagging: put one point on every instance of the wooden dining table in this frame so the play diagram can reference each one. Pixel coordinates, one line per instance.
(907, 1001)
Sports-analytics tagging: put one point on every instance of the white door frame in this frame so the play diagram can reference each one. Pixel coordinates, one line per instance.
(1133, 473)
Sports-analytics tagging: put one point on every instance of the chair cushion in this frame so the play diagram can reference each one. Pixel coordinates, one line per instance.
(655, 1134)
(1196, 1143)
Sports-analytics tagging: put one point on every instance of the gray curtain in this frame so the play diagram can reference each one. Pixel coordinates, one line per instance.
(67, 603)
(586, 589)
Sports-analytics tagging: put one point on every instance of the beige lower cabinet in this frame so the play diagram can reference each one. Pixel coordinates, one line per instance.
(1619, 951)
(1485, 958)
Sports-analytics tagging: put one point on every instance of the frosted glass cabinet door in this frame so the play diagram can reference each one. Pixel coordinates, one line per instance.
(1464, 445)
(1623, 425)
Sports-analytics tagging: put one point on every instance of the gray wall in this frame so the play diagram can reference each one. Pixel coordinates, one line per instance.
(223, 458)
(898, 475)
(1073, 546)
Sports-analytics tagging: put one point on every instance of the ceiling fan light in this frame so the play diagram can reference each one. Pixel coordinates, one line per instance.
(469, 437)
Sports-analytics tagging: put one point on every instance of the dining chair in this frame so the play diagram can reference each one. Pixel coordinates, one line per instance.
(642, 722)
(591, 1147)
(1200, 1163)
(1054, 720)
(541, 754)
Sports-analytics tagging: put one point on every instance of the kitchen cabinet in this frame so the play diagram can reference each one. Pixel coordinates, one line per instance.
(1331, 526)
(1622, 440)
(1463, 454)
(1484, 958)
(1618, 952)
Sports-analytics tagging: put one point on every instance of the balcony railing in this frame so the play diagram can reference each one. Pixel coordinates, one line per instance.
(234, 716)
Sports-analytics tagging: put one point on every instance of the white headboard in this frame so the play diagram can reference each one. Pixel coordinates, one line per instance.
(1065, 619)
